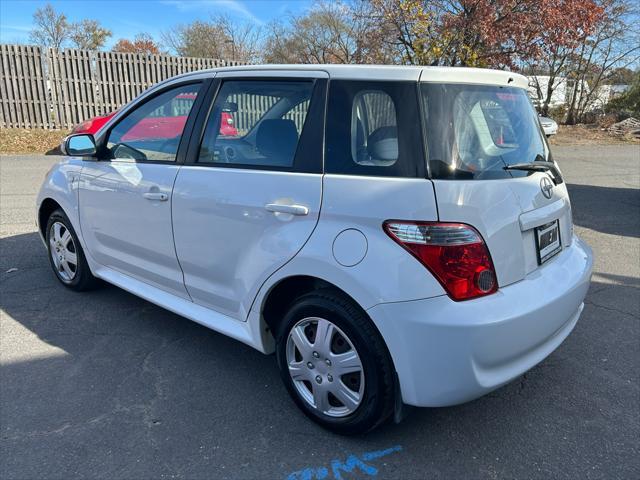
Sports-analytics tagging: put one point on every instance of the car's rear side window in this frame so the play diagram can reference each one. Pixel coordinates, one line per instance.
(373, 128)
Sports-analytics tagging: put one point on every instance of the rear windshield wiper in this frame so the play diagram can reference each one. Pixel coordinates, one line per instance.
(538, 166)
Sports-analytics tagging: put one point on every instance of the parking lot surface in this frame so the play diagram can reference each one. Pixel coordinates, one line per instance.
(106, 385)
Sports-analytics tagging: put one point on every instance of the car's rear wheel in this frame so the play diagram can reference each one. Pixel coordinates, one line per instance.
(65, 254)
(335, 364)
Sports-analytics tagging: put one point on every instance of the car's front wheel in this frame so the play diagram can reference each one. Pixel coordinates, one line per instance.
(65, 254)
(335, 364)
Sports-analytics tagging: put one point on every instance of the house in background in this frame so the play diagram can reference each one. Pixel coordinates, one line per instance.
(604, 94)
(538, 90)
(564, 90)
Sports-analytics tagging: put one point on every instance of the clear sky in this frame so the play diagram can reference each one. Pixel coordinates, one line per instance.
(127, 18)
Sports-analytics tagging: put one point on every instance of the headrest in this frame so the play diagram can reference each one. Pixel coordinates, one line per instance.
(277, 139)
(382, 144)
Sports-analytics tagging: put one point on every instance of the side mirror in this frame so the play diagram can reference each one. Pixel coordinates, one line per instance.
(81, 145)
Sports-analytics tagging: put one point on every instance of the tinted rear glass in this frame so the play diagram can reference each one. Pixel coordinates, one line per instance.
(373, 128)
(474, 131)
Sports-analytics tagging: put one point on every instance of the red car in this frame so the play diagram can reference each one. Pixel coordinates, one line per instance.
(93, 124)
(163, 127)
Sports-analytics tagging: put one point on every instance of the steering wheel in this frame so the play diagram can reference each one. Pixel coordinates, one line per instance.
(124, 151)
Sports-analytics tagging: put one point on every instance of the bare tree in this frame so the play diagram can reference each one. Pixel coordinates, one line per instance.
(50, 28)
(552, 65)
(614, 44)
(220, 37)
(242, 40)
(197, 39)
(331, 32)
(89, 35)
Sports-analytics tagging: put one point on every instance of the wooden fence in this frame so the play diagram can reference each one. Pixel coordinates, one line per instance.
(49, 88)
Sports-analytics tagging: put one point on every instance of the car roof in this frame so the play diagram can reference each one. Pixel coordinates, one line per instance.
(383, 72)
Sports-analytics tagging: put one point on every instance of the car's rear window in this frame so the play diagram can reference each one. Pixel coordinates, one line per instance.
(474, 131)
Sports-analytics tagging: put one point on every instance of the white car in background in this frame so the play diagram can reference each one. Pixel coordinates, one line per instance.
(396, 235)
(549, 126)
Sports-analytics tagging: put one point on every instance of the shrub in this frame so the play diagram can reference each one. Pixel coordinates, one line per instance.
(558, 113)
(627, 104)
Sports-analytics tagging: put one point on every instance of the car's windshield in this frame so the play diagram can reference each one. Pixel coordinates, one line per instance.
(474, 131)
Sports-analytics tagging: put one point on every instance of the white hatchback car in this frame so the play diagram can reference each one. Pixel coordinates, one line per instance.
(397, 235)
(549, 126)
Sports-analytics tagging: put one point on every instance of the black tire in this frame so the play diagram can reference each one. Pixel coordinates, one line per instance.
(377, 401)
(82, 279)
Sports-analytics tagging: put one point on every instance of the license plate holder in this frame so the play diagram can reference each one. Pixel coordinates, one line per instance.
(548, 241)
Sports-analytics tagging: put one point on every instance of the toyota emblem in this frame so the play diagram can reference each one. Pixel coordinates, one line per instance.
(546, 186)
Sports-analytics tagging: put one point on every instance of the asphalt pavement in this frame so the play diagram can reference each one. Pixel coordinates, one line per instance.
(106, 385)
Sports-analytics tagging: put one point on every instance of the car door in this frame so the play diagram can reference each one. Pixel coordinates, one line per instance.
(245, 204)
(125, 196)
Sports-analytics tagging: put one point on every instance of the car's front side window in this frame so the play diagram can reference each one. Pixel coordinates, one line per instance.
(153, 130)
(267, 119)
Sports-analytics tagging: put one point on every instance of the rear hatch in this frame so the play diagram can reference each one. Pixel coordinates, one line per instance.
(476, 135)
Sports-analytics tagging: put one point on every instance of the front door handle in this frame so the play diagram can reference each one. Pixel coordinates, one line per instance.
(291, 209)
(161, 197)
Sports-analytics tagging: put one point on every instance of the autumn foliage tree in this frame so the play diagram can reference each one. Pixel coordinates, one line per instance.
(556, 44)
(539, 37)
(481, 33)
(142, 43)
(485, 33)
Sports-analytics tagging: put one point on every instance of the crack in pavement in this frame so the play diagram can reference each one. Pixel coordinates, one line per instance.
(611, 309)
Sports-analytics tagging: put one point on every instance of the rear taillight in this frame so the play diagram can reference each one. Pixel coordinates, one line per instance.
(454, 252)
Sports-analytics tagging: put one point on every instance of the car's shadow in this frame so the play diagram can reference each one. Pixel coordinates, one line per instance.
(105, 363)
(610, 210)
(54, 151)
(105, 378)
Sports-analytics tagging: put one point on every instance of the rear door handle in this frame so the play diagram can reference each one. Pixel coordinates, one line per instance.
(161, 197)
(292, 209)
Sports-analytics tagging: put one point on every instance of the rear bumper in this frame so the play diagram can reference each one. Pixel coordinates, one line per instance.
(448, 352)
